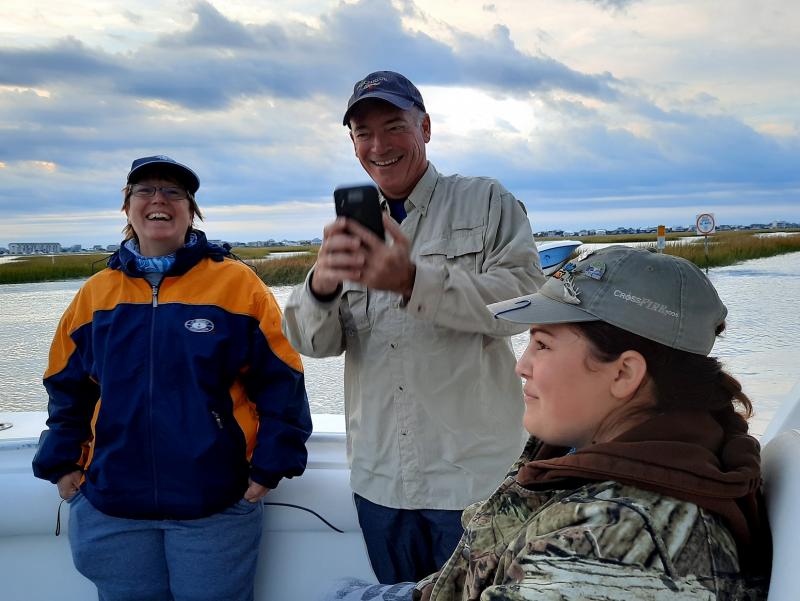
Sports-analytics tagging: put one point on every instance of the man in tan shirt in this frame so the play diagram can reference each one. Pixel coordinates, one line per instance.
(432, 404)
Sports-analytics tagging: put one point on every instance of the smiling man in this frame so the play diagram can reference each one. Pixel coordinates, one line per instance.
(432, 404)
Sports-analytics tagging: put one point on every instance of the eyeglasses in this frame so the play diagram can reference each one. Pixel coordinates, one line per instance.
(169, 192)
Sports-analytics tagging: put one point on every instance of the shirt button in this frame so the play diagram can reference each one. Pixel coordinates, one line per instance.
(393, 345)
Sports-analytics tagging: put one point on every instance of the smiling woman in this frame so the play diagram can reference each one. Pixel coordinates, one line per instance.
(183, 345)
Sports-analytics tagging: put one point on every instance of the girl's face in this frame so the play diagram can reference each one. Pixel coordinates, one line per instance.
(568, 394)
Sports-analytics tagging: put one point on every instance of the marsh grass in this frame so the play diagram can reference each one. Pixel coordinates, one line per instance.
(276, 272)
(274, 269)
(285, 271)
(615, 238)
(727, 248)
(248, 252)
(48, 268)
(724, 248)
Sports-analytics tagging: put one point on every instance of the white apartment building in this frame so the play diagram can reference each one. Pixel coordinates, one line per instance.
(34, 248)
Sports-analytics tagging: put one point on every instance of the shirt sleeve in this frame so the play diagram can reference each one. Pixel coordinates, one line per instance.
(275, 384)
(448, 296)
(313, 327)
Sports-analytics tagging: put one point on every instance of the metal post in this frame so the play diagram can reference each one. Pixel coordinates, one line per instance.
(706, 245)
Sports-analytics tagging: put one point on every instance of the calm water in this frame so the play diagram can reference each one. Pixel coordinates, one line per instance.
(760, 346)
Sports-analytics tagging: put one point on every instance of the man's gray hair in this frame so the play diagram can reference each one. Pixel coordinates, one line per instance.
(418, 115)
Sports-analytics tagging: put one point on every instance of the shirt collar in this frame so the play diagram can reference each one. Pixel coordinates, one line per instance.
(420, 196)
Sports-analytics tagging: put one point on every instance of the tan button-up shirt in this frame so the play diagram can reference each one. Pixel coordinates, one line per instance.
(433, 406)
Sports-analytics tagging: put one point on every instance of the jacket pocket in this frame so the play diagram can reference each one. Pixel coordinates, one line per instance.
(355, 308)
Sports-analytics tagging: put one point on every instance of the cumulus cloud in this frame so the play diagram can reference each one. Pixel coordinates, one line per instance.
(218, 60)
(255, 108)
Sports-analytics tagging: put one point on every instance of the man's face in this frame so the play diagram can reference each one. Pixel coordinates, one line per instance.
(390, 145)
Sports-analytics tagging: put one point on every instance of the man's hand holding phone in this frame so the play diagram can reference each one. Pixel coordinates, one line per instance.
(350, 251)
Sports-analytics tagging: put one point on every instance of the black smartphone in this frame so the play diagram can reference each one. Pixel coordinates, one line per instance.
(361, 203)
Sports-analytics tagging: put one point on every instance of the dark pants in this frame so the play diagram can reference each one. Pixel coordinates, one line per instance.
(405, 545)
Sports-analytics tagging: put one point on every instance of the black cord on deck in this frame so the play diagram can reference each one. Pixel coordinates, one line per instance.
(326, 522)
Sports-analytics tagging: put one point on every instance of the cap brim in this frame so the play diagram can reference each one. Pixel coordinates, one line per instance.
(539, 309)
(398, 101)
(187, 174)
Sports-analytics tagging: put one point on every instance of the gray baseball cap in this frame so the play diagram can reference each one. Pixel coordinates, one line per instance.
(659, 297)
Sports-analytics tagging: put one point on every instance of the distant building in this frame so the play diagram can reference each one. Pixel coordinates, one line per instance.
(34, 248)
(112, 247)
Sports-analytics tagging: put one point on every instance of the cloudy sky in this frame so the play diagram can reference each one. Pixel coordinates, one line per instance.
(594, 113)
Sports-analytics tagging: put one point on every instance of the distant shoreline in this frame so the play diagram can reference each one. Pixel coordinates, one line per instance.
(724, 248)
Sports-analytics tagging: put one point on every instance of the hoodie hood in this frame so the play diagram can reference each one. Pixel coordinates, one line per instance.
(684, 454)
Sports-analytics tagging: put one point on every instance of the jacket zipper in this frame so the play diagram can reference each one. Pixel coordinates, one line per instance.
(150, 394)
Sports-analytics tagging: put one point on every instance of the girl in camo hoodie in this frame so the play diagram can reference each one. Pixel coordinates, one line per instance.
(639, 480)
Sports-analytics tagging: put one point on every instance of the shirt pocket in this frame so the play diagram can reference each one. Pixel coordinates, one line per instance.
(462, 248)
(355, 308)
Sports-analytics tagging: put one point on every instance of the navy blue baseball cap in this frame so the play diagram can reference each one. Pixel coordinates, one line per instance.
(385, 85)
(184, 174)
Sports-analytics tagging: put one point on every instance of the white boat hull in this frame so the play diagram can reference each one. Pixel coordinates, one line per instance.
(300, 555)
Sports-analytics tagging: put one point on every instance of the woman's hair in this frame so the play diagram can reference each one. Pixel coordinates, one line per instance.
(681, 380)
(166, 175)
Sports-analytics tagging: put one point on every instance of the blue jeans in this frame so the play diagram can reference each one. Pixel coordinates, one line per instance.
(405, 545)
(208, 559)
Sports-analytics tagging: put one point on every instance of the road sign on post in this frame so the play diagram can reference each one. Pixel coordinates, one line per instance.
(704, 225)
(661, 238)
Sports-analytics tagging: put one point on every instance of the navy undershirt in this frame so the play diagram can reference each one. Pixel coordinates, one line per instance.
(397, 209)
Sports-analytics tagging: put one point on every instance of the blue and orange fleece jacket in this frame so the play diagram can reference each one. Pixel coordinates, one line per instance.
(170, 396)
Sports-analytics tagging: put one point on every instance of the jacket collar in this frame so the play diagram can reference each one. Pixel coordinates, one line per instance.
(185, 257)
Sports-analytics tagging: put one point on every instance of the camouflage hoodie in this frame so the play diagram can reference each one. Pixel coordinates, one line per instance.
(670, 510)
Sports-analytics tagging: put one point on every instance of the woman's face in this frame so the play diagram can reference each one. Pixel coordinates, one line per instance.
(567, 393)
(162, 220)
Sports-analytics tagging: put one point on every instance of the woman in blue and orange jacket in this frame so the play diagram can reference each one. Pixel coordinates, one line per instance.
(175, 405)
